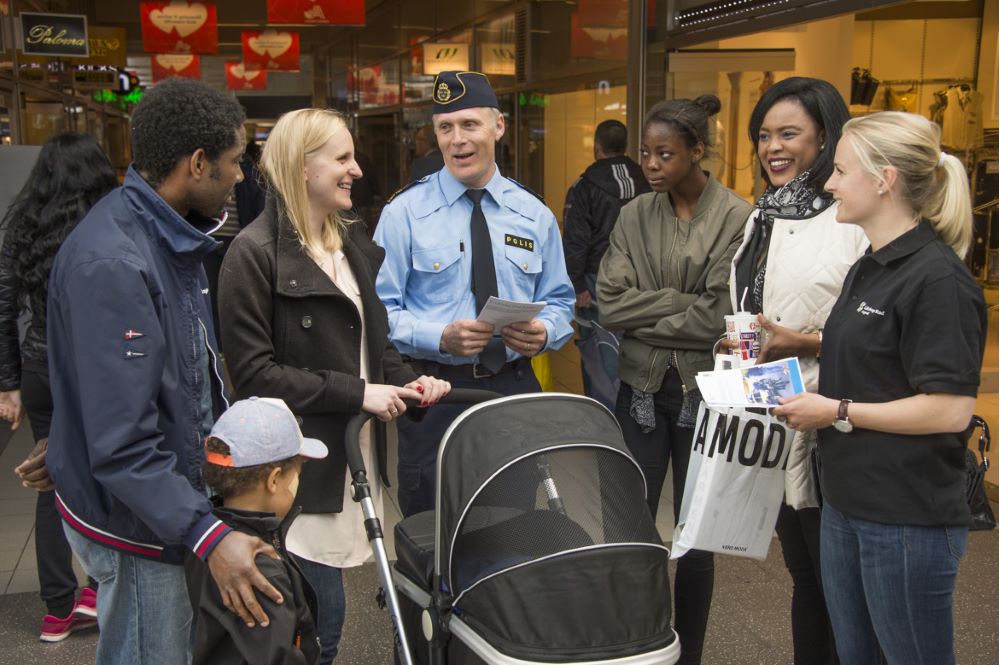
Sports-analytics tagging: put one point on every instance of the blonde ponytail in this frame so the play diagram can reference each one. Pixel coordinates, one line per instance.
(932, 183)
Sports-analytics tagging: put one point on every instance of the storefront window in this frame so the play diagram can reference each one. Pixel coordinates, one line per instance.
(571, 39)
(6, 129)
(378, 85)
(497, 48)
(42, 119)
(381, 36)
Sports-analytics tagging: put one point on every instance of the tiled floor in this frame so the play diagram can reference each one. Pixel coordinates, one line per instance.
(749, 624)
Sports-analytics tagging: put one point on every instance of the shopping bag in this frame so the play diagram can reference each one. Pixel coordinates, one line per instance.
(542, 368)
(735, 483)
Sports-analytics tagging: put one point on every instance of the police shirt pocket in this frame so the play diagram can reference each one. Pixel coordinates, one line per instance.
(524, 267)
(436, 272)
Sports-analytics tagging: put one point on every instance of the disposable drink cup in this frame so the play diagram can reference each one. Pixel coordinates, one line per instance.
(743, 332)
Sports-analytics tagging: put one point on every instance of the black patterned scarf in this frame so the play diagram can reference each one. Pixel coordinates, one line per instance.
(793, 200)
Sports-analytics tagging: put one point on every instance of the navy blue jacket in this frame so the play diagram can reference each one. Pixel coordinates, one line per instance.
(128, 317)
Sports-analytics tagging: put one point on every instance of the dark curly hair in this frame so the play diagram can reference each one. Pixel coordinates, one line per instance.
(228, 481)
(823, 104)
(174, 119)
(688, 117)
(72, 173)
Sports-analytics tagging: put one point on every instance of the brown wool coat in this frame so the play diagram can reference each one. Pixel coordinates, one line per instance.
(289, 332)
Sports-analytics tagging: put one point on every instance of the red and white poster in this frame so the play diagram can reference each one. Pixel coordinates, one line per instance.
(181, 65)
(241, 77)
(273, 50)
(331, 12)
(179, 27)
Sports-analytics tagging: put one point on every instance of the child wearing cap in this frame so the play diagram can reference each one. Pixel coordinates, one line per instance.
(253, 458)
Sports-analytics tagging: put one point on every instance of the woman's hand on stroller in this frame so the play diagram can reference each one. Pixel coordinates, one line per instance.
(430, 388)
(386, 402)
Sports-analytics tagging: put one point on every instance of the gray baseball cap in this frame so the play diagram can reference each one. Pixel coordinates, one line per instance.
(261, 430)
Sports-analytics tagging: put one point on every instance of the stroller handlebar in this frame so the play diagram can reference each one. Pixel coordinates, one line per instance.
(351, 435)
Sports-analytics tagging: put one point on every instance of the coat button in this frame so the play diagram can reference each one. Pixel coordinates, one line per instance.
(292, 283)
(307, 321)
(777, 318)
(298, 420)
(437, 265)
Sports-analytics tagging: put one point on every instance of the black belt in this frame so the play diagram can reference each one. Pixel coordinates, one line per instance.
(473, 371)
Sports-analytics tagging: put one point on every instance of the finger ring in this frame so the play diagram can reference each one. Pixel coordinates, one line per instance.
(392, 411)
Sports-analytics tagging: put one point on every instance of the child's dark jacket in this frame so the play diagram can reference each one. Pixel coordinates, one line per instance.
(223, 638)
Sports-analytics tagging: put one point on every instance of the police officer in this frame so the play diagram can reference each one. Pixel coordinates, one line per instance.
(452, 239)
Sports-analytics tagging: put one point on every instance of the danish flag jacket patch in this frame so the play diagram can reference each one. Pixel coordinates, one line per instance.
(133, 334)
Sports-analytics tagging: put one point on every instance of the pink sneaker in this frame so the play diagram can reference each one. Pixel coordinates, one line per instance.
(57, 630)
(86, 606)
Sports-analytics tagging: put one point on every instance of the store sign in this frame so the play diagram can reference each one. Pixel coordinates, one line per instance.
(241, 77)
(498, 58)
(62, 35)
(167, 65)
(179, 27)
(443, 56)
(95, 79)
(329, 12)
(273, 50)
(107, 46)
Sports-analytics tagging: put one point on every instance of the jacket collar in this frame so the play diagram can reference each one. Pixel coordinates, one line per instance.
(906, 244)
(261, 524)
(293, 263)
(183, 236)
(705, 201)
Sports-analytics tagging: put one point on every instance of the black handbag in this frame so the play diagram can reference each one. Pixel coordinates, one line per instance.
(983, 517)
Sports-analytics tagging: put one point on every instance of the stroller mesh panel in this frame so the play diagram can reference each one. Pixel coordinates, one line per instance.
(547, 503)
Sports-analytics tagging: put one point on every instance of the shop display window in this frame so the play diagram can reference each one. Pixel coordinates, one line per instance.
(496, 43)
(568, 39)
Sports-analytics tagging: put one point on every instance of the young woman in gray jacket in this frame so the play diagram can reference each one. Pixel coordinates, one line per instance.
(664, 282)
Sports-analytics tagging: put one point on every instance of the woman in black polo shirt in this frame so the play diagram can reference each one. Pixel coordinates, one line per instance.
(899, 372)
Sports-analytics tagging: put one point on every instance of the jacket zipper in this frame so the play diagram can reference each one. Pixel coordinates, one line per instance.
(673, 359)
(215, 366)
(652, 363)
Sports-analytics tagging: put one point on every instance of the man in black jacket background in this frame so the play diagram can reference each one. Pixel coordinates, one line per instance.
(592, 206)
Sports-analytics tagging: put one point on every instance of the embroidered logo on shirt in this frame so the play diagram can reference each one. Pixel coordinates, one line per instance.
(515, 241)
(867, 310)
(133, 334)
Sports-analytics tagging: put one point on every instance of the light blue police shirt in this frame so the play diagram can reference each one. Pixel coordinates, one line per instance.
(425, 281)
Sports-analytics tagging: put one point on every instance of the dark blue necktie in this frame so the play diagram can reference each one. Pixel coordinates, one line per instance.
(484, 277)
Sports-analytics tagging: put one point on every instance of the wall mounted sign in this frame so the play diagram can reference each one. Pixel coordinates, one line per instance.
(181, 65)
(107, 46)
(445, 56)
(61, 35)
(273, 50)
(240, 77)
(95, 79)
(332, 12)
(498, 58)
(179, 27)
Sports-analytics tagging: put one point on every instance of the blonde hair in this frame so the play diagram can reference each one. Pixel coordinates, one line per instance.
(932, 183)
(295, 137)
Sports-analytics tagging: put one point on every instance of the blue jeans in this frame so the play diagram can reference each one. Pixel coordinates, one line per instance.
(890, 587)
(328, 583)
(143, 607)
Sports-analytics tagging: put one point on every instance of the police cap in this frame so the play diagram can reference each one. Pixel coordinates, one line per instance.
(454, 91)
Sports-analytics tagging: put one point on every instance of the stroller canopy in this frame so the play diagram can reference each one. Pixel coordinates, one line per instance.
(543, 541)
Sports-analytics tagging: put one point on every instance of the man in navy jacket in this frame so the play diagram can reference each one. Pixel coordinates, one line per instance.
(136, 385)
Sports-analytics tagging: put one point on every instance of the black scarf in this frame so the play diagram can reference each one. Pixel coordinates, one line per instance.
(793, 200)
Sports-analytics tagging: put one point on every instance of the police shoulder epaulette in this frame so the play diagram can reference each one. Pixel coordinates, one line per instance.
(528, 189)
(406, 187)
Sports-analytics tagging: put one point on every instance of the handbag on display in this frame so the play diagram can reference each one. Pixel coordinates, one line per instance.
(863, 86)
(983, 517)
(735, 483)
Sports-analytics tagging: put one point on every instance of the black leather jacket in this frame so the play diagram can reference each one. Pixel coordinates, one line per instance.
(33, 351)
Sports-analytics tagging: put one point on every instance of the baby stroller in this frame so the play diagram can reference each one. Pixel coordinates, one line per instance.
(540, 549)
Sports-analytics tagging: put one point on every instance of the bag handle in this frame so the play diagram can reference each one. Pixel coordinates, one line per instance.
(984, 438)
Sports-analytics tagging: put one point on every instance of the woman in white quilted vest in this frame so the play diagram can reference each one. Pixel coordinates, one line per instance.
(789, 271)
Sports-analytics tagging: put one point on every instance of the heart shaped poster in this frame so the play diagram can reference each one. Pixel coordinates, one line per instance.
(330, 12)
(165, 65)
(273, 50)
(179, 26)
(240, 76)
